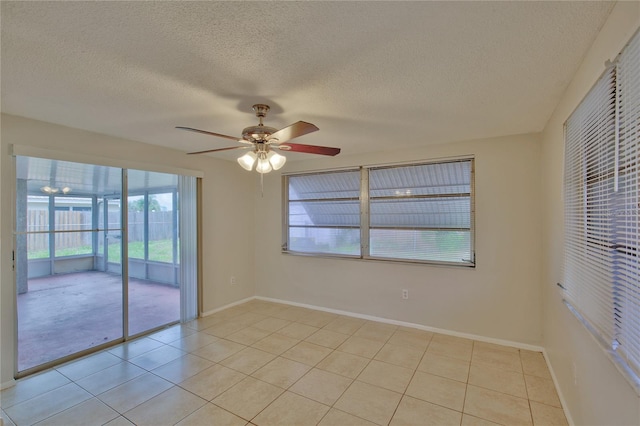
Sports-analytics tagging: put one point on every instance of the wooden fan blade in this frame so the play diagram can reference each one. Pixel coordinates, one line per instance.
(219, 149)
(233, 138)
(309, 149)
(293, 131)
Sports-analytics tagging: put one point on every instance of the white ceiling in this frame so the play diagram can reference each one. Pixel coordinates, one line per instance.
(371, 75)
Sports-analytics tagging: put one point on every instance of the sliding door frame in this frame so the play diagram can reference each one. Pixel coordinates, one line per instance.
(27, 151)
(124, 252)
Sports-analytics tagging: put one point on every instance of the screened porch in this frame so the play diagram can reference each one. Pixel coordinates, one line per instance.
(92, 269)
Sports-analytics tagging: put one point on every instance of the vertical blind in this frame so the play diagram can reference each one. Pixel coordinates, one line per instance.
(188, 229)
(601, 269)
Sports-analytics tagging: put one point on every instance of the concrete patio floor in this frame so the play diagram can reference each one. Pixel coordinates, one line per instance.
(64, 314)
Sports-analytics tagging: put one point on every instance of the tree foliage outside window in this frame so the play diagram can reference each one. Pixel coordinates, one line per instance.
(137, 205)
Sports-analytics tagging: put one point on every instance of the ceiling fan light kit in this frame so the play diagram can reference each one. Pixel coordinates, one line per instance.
(266, 161)
(247, 160)
(276, 160)
(264, 139)
(263, 166)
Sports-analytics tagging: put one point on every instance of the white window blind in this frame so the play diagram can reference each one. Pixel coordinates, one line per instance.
(589, 179)
(324, 213)
(601, 208)
(627, 207)
(421, 212)
(415, 212)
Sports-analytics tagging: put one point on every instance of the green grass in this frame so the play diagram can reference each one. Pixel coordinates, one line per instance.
(159, 251)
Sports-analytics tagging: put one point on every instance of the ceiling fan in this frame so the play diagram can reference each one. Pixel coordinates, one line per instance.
(262, 140)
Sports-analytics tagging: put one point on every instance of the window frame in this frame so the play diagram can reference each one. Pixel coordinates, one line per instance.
(285, 216)
(365, 209)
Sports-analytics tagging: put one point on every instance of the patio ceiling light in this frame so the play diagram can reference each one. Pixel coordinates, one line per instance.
(51, 190)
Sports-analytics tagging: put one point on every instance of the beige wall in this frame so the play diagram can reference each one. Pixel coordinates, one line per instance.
(598, 394)
(228, 212)
(499, 299)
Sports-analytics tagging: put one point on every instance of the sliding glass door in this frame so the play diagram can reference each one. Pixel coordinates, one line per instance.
(92, 269)
(154, 269)
(66, 303)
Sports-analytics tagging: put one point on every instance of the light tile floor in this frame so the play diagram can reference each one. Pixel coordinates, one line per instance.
(264, 363)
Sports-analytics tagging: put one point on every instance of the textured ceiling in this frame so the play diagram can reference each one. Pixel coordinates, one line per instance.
(371, 75)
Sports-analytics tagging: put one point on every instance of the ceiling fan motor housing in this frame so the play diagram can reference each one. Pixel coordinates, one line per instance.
(258, 133)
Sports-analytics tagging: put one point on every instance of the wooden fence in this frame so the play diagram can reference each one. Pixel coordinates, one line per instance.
(160, 227)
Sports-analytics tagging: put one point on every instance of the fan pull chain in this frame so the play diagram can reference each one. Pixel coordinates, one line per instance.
(262, 185)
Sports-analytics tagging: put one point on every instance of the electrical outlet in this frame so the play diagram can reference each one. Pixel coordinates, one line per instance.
(232, 280)
(405, 294)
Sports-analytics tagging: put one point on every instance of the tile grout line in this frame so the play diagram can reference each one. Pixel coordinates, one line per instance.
(526, 388)
(466, 385)
(249, 310)
(255, 378)
(415, 370)
(315, 366)
(311, 369)
(365, 367)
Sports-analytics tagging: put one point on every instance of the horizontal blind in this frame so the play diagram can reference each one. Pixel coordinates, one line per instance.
(324, 213)
(421, 212)
(588, 182)
(602, 208)
(626, 208)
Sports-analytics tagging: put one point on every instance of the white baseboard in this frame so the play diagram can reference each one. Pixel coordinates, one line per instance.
(238, 302)
(409, 324)
(8, 384)
(563, 402)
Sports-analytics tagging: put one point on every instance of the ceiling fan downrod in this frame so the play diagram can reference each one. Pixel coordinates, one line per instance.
(259, 133)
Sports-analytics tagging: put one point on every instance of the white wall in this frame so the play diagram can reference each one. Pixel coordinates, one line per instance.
(598, 394)
(500, 298)
(228, 213)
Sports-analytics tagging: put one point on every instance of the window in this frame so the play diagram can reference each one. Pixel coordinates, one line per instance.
(601, 191)
(153, 225)
(416, 213)
(324, 213)
(421, 212)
